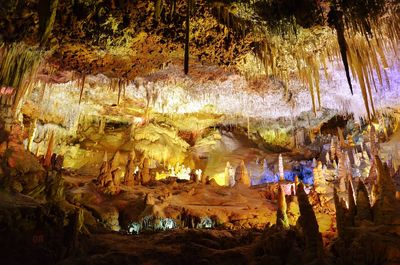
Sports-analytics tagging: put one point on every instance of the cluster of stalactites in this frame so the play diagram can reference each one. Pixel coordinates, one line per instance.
(362, 52)
(18, 65)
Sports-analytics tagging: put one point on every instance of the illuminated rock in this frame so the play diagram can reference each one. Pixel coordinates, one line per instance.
(333, 149)
(145, 172)
(340, 214)
(385, 205)
(198, 172)
(129, 170)
(373, 141)
(281, 216)
(49, 152)
(242, 175)
(32, 134)
(318, 174)
(314, 252)
(341, 137)
(280, 166)
(351, 202)
(105, 174)
(364, 212)
(327, 159)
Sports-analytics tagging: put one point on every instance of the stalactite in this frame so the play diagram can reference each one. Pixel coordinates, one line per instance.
(187, 38)
(310, 85)
(47, 15)
(360, 75)
(82, 86)
(336, 19)
(159, 5)
(120, 87)
(18, 65)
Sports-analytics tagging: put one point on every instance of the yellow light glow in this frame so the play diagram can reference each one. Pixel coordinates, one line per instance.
(220, 179)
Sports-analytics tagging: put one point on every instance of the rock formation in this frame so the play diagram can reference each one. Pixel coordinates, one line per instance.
(364, 213)
(281, 170)
(351, 202)
(145, 172)
(314, 252)
(105, 174)
(242, 175)
(282, 220)
(384, 208)
(129, 179)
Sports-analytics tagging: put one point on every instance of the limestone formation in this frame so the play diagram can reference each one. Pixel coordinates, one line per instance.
(385, 206)
(54, 186)
(373, 142)
(105, 173)
(49, 152)
(145, 172)
(340, 214)
(313, 252)
(351, 202)
(333, 149)
(32, 134)
(356, 157)
(341, 137)
(129, 170)
(363, 205)
(281, 171)
(327, 159)
(242, 175)
(318, 174)
(282, 220)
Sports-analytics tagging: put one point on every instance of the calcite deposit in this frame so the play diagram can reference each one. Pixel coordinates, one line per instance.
(199, 132)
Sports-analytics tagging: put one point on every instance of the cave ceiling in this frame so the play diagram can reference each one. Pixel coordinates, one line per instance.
(281, 39)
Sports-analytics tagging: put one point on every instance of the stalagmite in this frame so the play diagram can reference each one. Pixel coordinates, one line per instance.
(281, 216)
(49, 152)
(242, 175)
(385, 205)
(313, 240)
(32, 134)
(327, 159)
(226, 173)
(340, 214)
(372, 175)
(281, 172)
(342, 172)
(373, 141)
(356, 156)
(296, 180)
(145, 172)
(129, 170)
(319, 179)
(115, 161)
(363, 204)
(341, 137)
(351, 202)
(333, 149)
(105, 174)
